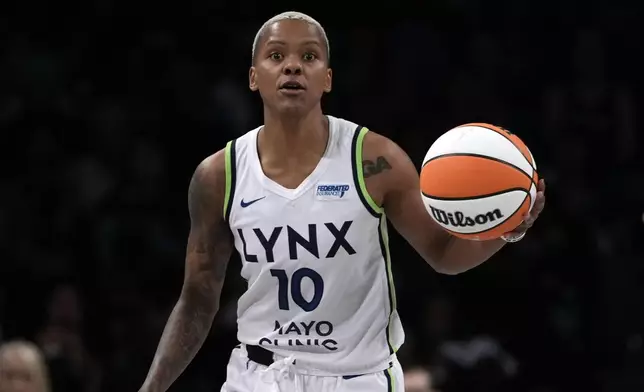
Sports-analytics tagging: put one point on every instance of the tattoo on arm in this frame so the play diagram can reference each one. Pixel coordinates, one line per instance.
(212, 242)
(371, 168)
(209, 248)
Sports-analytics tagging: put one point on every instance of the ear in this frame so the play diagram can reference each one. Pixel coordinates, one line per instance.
(329, 81)
(252, 79)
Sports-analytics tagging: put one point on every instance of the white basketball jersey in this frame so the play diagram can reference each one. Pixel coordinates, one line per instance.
(316, 260)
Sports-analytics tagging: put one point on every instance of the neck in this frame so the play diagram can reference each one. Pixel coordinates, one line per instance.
(289, 137)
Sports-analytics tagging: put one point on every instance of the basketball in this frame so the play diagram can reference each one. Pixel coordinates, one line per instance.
(478, 181)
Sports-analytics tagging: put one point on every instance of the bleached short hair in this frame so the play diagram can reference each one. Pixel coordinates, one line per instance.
(291, 15)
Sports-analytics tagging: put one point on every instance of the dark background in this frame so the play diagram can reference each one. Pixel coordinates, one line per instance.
(107, 106)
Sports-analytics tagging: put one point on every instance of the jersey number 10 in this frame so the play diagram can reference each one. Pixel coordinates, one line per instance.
(296, 288)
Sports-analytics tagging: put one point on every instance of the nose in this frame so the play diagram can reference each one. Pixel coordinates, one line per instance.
(292, 66)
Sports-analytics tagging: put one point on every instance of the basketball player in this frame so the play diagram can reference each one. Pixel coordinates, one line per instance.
(22, 368)
(304, 200)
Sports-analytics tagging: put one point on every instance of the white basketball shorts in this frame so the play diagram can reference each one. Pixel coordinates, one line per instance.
(243, 375)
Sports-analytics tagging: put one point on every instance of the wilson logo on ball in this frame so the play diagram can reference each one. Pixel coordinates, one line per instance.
(458, 219)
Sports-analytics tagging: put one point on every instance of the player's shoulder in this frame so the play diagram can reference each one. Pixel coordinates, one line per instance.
(371, 142)
(374, 148)
(213, 166)
(375, 142)
(210, 174)
(386, 166)
(377, 147)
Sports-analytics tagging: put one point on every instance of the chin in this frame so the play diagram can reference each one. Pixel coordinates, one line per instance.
(294, 108)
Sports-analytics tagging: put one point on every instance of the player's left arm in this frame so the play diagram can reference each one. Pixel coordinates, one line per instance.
(394, 183)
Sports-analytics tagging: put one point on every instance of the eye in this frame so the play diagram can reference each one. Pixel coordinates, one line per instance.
(275, 56)
(309, 56)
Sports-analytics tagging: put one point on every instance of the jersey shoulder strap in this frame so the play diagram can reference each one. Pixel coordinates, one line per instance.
(358, 172)
(230, 153)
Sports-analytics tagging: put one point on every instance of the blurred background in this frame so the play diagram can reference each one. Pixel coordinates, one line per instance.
(107, 106)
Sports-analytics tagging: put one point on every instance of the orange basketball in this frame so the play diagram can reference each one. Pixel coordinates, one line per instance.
(478, 181)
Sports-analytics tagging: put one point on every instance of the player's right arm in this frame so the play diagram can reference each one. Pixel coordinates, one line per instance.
(209, 248)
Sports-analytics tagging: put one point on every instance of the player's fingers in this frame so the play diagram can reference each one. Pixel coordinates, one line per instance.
(527, 222)
(520, 229)
(539, 203)
(525, 225)
(530, 217)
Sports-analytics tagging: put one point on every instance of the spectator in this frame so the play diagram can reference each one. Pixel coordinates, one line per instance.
(418, 379)
(22, 368)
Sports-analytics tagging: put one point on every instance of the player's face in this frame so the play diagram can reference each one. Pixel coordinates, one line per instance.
(291, 67)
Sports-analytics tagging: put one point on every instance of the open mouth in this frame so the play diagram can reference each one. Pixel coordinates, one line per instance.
(291, 86)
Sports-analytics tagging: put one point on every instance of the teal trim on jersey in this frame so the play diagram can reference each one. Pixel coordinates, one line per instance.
(231, 178)
(383, 238)
(358, 173)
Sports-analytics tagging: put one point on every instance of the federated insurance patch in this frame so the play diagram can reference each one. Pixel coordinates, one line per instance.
(332, 191)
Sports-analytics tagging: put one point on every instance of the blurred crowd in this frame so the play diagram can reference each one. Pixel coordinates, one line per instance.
(102, 130)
